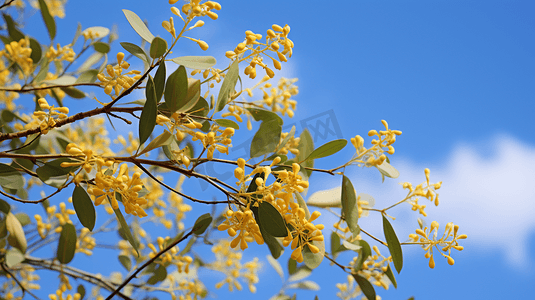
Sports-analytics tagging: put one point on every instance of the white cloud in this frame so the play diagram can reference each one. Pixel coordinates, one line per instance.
(491, 196)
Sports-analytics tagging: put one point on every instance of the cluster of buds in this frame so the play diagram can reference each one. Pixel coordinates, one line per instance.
(170, 257)
(196, 9)
(280, 98)
(374, 156)
(427, 237)
(290, 146)
(85, 243)
(61, 53)
(214, 74)
(127, 188)
(426, 190)
(212, 141)
(47, 120)
(275, 38)
(19, 53)
(374, 268)
(116, 80)
(304, 233)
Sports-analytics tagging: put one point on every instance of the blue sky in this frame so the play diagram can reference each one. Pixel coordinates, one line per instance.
(455, 76)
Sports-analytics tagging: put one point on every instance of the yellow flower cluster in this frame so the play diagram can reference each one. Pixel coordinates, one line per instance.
(55, 7)
(116, 80)
(374, 155)
(85, 243)
(427, 237)
(191, 290)
(197, 9)
(426, 190)
(123, 186)
(62, 215)
(374, 268)
(47, 120)
(275, 38)
(228, 261)
(90, 134)
(7, 97)
(350, 290)
(27, 278)
(279, 100)
(130, 146)
(212, 141)
(19, 53)
(61, 53)
(44, 92)
(290, 146)
(304, 233)
(170, 257)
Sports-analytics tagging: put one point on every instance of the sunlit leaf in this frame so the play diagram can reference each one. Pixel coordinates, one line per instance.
(365, 286)
(147, 120)
(63, 80)
(228, 85)
(300, 273)
(49, 20)
(305, 147)
(84, 207)
(276, 265)
(136, 51)
(66, 244)
(14, 257)
(327, 149)
(163, 139)
(387, 170)
(16, 237)
(364, 252)
(101, 47)
(393, 244)
(335, 244)
(349, 204)
(302, 204)
(98, 31)
(326, 198)
(88, 76)
(125, 229)
(158, 47)
(195, 62)
(266, 138)
(138, 25)
(313, 260)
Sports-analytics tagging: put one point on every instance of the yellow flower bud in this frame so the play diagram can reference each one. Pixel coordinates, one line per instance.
(203, 45)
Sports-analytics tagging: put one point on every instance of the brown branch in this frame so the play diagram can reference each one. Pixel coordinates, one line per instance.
(146, 264)
(7, 3)
(36, 201)
(33, 89)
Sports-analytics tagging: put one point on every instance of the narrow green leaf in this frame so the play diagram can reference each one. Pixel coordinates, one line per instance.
(300, 273)
(147, 120)
(23, 218)
(335, 244)
(264, 115)
(349, 204)
(393, 244)
(84, 207)
(66, 244)
(159, 81)
(15, 34)
(227, 123)
(125, 229)
(266, 138)
(138, 25)
(54, 169)
(37, 52)
(101, 47)
(73, 92)
(327, 149)
(188, 245)
(81, 290)
(192, 96)
(365, 286)
(228, 85)
(195, 62)
(292, 266)
(390, 276)
(313, 260)
(4, 207)
(159, 275)
(308, 285)
(388, 170)
(273, 244)
(136, 51)
(88, 76)
(305, 147)
(272, 220)
(163, 139)
(13, 257)
(126, 262)
(276, 265)
(287, 138)
(63, 80)
(364, 252)
(202, 223)
(10, 178)
(176, 89)
(43, 71)
(158, 47)
(49, 20)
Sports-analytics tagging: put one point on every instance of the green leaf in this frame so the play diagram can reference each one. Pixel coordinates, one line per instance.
(387, 170)
(292, 266)
(266, 139)
(228, 85)
(98, 31)
(126, 262)
(158, 47)
(43, 71)
(163, 139)
(66, 244)
(390, 276)
(176, 89)
(147, 120)
(276, 265)
(101, 47)
(202, 223)
(23, 218)
(273, 244)
(14, 257)
(364, 252)
(393, 244)
(305, 147)
(54, 169)
(49, 20)
(227, 123)
(300, 273)
(195, 62)
(125, 229)
(90, 61)
(313, 260)
(365, 286)
(305, 285)
(349, 204)
(302, 204)
(138, 25)
(327, 149)
(272, 220)
(192, 97)
(188, 245)
(10, 178)
(264, 115)
(200, 109)
(88, 76)
(63, 80)
(159, 81)
(159, 275)
(335, 244)
(15, 34)
(37, 52)
(287, 138)
(73, 92)
(4, 207)
(81, 290)
(84, 207)
(136, 51)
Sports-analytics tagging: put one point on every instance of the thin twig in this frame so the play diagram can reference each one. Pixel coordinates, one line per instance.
(24, 290)
(385, 244)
